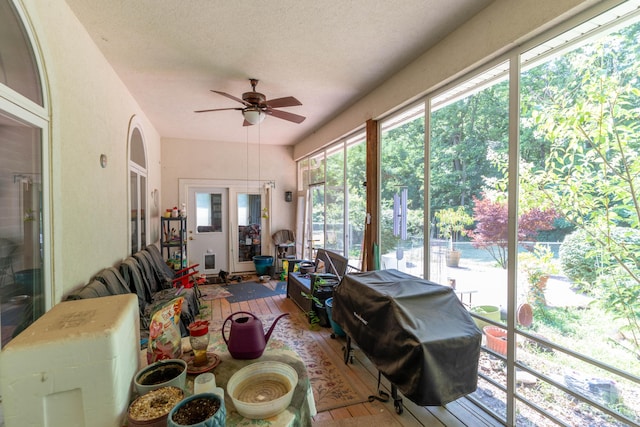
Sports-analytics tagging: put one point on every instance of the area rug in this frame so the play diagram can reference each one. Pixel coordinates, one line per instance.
(211, 292)
(334, 384)
(281, 288)
(245, 291)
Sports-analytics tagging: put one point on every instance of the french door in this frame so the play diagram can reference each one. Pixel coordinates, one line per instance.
(227, 224)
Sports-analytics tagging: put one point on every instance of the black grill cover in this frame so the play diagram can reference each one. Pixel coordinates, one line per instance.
(416, 332)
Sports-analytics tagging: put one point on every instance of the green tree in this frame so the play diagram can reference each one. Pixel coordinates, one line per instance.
(592, 173)
(462, 135)
(402, 160)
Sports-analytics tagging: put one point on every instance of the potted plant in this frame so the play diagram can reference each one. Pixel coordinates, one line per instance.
(491, 312)
(451, 225)
(538, 266)
(198, 410)
(318, 314)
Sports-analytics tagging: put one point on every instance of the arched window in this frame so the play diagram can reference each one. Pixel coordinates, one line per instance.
(18, 66)
(25, 285)
(138, 187)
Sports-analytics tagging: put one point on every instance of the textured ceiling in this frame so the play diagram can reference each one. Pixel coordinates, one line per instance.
(327, 54)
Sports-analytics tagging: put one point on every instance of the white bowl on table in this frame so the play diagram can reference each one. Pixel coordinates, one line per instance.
(262, 389)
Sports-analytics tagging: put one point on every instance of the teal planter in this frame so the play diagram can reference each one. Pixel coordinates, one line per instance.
(337, 329)
(217, 420)
(262, 263)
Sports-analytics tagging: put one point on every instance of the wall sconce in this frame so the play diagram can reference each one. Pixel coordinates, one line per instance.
(288, 196)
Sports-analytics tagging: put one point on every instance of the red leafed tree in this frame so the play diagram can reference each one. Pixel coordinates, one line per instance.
(492, 224)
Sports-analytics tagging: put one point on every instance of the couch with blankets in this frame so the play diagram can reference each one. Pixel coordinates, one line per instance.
(146, 274)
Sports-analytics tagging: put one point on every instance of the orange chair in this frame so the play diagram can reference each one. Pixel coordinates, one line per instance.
(185, 278)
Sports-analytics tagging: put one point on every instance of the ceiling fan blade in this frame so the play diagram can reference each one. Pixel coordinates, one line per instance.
(217, 109)
(232, 97)
(285, 115)
(287, 101)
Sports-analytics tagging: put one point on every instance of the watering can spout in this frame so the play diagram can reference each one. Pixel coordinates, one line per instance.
(268, 335)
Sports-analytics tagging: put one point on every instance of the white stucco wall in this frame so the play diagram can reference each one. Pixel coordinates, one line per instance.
(501, 26)
(196, 159)
(91, 111)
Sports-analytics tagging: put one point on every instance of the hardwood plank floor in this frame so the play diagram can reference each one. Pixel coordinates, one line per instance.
(457, 414)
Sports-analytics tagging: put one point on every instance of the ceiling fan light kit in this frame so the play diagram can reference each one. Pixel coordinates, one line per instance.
(257, 107)
(253, 115)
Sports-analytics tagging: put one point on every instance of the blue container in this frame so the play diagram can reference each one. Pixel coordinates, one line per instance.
(217, 420)
(336, 328)
(262, 263)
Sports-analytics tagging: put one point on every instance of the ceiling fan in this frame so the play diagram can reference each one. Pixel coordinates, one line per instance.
(257, 107)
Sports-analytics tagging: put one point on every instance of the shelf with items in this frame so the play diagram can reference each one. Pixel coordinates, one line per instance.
(173, 241)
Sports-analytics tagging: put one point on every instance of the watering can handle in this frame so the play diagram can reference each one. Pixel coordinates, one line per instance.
(224, 337)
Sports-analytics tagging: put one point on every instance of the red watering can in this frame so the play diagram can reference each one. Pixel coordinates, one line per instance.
(247, 339)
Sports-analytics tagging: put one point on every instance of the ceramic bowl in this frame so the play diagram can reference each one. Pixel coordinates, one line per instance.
(163, 373)
(262, 389)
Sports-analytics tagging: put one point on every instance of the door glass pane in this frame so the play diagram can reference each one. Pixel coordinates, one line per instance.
(209, 212)
(249, 226)
(135, 223)
(138, 182)
(402, 172)
(143, 212)
(18, 69)
(21, 233)
(137, 148)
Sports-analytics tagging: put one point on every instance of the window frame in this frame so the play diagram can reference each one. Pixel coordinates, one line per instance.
(140, 221)
(22, 109)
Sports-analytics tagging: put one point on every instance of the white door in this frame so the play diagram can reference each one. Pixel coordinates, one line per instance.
(208, 228)
(247, 226)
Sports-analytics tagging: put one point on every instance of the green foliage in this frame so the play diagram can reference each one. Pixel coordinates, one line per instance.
(584, 258)
(577, 260)
(592, 127)
(621, 296)
(462, 136)
(314, 320)
(451, 223)
(402, 165)
(538, 265)
(562, 320)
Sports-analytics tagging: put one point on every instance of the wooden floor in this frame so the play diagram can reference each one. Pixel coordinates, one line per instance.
(459, 413)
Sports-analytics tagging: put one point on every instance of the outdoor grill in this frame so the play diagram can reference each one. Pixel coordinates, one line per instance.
(417, 333)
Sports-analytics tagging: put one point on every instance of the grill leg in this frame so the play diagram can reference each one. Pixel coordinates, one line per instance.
(346, 351)
(397, 401)
(383, 396)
